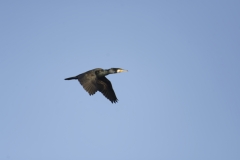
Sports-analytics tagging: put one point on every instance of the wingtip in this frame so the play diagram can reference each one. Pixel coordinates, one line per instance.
(114, 101)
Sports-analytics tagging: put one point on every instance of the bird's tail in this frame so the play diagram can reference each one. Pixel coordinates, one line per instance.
(70, 78)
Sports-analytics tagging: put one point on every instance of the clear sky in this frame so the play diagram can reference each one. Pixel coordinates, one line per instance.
(180, 99)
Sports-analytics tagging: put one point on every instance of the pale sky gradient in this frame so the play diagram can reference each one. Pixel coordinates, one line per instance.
(179, 100)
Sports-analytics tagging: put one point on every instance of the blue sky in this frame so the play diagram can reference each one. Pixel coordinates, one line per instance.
(179, 100)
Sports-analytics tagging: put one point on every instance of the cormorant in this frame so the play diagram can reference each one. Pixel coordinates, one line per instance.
(95, 80)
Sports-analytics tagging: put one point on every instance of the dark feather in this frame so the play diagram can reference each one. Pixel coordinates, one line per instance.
(105, 87)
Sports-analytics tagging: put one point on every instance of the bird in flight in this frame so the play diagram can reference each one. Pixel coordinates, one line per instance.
(95, 80)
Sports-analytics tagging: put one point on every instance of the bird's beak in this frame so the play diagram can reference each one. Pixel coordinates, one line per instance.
(121, 70)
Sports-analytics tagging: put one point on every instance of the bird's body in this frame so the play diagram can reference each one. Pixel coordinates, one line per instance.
(95, 80)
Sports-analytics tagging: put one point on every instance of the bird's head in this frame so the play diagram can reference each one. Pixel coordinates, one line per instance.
(116, 70)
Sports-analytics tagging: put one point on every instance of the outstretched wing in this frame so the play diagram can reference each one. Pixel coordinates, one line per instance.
(88, 81)
(105, 87)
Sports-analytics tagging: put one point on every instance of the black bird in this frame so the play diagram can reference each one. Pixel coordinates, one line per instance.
(95, 80)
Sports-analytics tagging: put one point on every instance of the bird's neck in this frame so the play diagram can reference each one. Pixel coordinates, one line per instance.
(104, 73)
